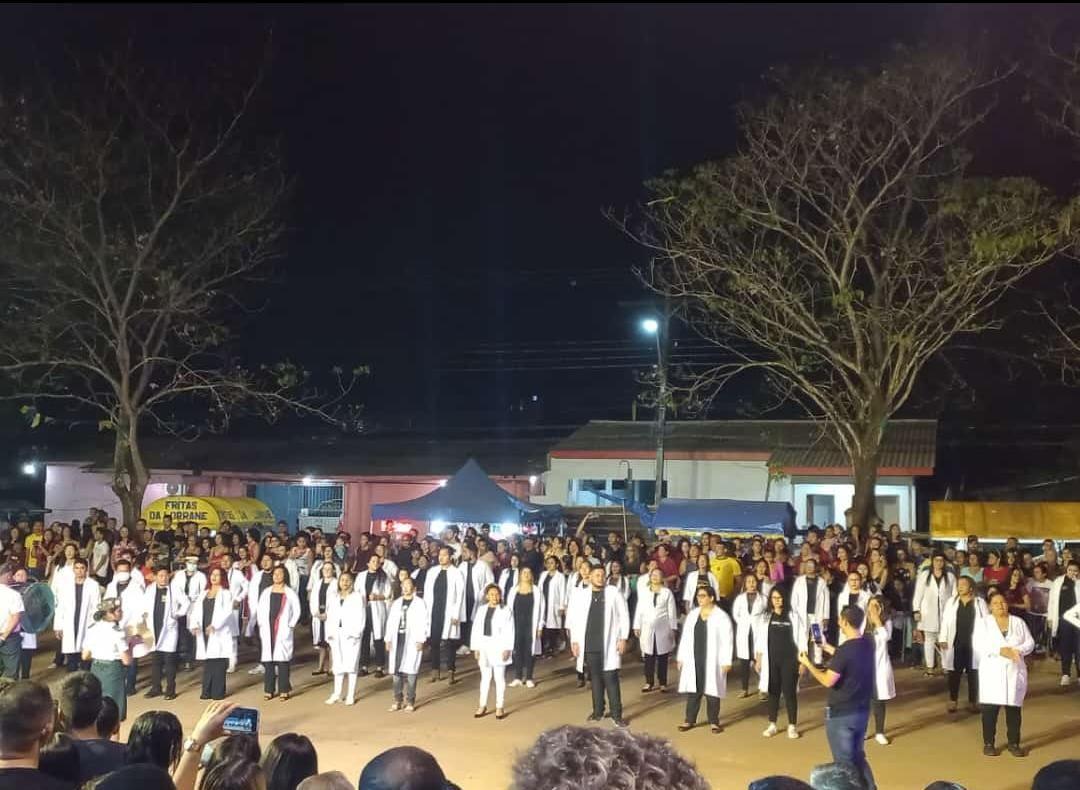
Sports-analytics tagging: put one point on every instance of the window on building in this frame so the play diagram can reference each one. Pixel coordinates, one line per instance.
(645, 491)
(888, 509)
(586, 493)
(820, 509)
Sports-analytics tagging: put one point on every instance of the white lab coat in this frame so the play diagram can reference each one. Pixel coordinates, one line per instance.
(575, 586)
(376, 610)
(691, 585)
(800, 603)
(800, 635)
(930, 598)
(345, 621)
(842, 600)
(253, 592)
(417, 622)
(238, 589)
(481, 578)
(623, 586)
(1053, 608)
(1002, 681)
(1073, 615)
(537, 616)
(745, 616)
(455, 600)
(491, 648)
(131, 600)
(164, 642)
(947, 634)
(508, 576)
(616, 626)
(555, 603)
(194, 590)
(288, 618)
(64, 618)
(884, 684)
(220, 643)
(657, 622)
(318, 627)
(719, 653)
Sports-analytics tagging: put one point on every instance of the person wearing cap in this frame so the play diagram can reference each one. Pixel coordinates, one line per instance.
(11, 609)
(187, 585)
(106, 648)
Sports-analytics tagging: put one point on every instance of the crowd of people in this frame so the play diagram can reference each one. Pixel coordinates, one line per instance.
(842, 607)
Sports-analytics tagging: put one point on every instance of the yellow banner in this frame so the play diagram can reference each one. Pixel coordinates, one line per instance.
(208, 511)
(1030, 521)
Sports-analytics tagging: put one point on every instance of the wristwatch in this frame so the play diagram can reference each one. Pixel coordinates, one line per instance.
(191, 745)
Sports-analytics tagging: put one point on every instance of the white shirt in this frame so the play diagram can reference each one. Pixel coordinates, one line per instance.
(105, 641)
(99, 557)
(10, 603)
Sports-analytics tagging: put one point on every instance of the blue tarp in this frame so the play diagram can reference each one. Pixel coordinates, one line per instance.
(469, 497)
(726, 515)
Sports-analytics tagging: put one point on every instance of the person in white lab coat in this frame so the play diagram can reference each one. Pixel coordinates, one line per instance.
(1002, 641)
(655, 623)
(748, 607)
(553, 593)
(699, 575)
(527, 608)
(508, 578)
(278, 614)
(130, 589)
(444, 594)
(237, 585)
(599, 627)
(962, 613)
(855, 595)
(879, 627)
(374, 585)
(259, 581)
(161, 616)
(345, 621)
(407, 625)
(188, 584)
(320, 590)
(812, 608)
(780, 635)
(1064, 594)
(706, 650)
(210, 621)
(933, 588)
(477, 575)
(493, 645)
(578, 584)
(77, 600)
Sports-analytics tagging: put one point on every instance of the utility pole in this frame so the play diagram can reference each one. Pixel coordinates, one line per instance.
(659, 328)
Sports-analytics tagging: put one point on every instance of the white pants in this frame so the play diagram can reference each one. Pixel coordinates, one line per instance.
(929, 647)
(487, 672)
(339, 682)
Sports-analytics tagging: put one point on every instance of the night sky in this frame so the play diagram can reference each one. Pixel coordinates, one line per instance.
(453, 164)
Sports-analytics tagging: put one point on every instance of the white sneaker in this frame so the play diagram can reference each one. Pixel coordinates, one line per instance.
(463, 651)
(1065, 680)
(350, 701)
(256, 670)
(770, 731)
(395, 707)
(333, 698)
(530, 684)
(882, 738)
(792, 732)
(515, 683)
(231, 670)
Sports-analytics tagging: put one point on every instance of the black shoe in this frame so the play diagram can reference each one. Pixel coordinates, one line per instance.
(170, 697)
(379, 674)
(364, 673)
(581, 684)
(594, 717)
(1016, 750)
(621, 724)
(453, 679)
(989, 750)
(151, 694)
(204, 696)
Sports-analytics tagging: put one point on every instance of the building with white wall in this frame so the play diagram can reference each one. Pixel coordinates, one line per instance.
(757, 460)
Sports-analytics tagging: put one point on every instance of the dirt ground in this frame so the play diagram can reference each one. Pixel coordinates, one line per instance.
(928, 743)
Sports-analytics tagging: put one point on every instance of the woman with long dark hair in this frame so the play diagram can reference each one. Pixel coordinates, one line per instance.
(210, 621)
(289, 760)
(879, 628)
(156, 738)
(492, 642)
(748, 608)
(706, 650)
(278, 614)
(526, 605)
(781, 635)
(322, 588)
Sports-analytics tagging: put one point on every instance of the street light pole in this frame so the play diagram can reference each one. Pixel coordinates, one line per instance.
(659, 328)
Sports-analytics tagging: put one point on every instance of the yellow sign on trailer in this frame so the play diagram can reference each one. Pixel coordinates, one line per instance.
(1029, 521)
(208, 511)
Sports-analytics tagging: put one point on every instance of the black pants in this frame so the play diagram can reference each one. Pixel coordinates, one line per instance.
(74, 662)
(58, 659)
(1012, 723)
(163, 663)
(185, 642)
(549, 641)
(962, 663)
(878, 709)
(366, 641)
(783, 680)
(276, 677)
(443, 654)
(25, 657)
(693, 706)
(604, 681)
(465, 633)
(213, 678)
(1068, 645)
(656, 666)
(11, 655)
(748, 663)
(524, 660)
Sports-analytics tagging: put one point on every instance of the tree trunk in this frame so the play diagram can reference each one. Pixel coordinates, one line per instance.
(863, 507)
(130, 476)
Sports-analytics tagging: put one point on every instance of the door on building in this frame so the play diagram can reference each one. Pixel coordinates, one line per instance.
(821, 509)
(888, 509)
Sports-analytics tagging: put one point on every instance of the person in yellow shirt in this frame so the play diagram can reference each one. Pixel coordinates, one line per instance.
(31, 542)
(726, 569)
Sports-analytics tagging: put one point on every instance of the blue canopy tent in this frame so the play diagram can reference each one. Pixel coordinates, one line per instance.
(726, 515)
(469, 497)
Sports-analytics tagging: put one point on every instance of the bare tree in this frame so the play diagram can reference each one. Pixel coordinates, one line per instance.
(843, 245)
(134, 211)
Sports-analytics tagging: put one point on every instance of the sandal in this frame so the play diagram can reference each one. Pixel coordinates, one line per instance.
(480, 713)
(684, 727)
(647, 689)
(715, 729)
(284, 697)
(500, 714)
(268, 697)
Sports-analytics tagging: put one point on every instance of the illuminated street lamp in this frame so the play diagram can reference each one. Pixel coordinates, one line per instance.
(653, 327)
